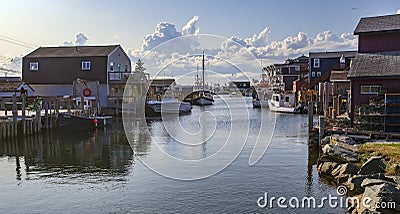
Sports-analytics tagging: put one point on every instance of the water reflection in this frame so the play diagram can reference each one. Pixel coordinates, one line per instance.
(62, 157)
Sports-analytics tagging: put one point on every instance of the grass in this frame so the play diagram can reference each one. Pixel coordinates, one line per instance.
(389, 152)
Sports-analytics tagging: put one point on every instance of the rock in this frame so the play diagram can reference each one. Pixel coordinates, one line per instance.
(326, 140)
(346, 169)
(372, 182)
(396, 179)
(354, 182)
(326, 168)
(340, 153)
(328, 158)
(372, 166)
(383, 194)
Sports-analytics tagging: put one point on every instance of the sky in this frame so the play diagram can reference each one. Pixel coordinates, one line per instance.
(234, 34)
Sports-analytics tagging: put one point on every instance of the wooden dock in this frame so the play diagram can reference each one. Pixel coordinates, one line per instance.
(24, 121)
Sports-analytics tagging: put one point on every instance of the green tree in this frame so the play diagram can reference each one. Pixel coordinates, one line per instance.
(139, 66)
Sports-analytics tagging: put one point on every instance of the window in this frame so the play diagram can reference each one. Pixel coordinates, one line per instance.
(297, 68)
(316, 63)
(319, 74)
(34, 66)
(111, 66)
(313, 74)
(85, 65)
(370, 89)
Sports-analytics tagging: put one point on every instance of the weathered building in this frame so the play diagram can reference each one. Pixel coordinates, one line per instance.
(51, 71)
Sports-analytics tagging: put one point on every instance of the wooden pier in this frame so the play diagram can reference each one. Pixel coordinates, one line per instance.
(25, 121)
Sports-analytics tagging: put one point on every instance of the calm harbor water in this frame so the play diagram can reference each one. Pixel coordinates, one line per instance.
(100, 172)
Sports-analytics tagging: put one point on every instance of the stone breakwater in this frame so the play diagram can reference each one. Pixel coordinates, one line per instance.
(339, 164)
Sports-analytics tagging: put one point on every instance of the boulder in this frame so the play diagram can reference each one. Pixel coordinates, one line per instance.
(372, 182)
(354, 182)
(385, 195)
(372, 166)
(326, 140)
(326, 168)
(340, 153)
(345, 169)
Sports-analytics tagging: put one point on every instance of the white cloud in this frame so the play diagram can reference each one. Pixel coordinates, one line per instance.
(166, 31)
(259, 40)
(234, 57)
(80, 40)
(190, 27)
(398, 11)
(11, 65)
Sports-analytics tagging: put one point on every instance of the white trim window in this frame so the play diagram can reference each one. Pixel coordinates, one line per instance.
(319, 73)
(370, 89)
(34, 66)
(316, 63)
(313, 74)
(85, 65)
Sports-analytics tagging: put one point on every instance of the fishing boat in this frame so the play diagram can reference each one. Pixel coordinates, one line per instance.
(284, 103)
(82, 122)
(154, 108)
(86, 116)
(201, 96)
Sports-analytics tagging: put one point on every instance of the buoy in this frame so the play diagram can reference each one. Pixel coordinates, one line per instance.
(86, 92)
(95, 121)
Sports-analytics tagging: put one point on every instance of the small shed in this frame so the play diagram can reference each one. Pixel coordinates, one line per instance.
(8, 89)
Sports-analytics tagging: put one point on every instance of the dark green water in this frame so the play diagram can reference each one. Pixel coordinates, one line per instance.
(100, 173)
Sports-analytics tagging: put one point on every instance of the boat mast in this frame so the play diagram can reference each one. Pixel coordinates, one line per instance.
(203, 71)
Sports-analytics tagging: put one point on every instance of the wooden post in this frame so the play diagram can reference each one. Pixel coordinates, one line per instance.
(116, 108)
(38, 119)
(339, 102)
(46, 114)
(321, 127)
(310, 116)
(334, 108)
(82, 104)
(15, 114)
(69, 105)
(1, 131)
(8, 129)
(4, 128)
(23, 96)
(50, 116)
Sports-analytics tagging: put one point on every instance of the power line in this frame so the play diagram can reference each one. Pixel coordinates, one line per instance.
(16, 42)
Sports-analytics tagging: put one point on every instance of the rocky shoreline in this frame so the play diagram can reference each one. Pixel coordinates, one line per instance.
(339, 164)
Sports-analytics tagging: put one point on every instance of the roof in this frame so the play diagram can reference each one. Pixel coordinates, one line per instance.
(339, 76)
(11, 86)
(72, 51)
(378, 24)
(375, 65)
(161, 82)
(10, 79)
(333, 54)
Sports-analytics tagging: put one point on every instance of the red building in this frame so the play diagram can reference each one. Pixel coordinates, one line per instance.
(376, 68)
(378, 34)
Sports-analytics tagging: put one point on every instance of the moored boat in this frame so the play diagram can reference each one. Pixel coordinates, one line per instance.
(201, 96)
(82, 122)
(284, 103)
(156, 108)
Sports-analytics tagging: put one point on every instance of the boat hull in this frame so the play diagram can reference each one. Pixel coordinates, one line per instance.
(156, 108)
(291, 110)
(73, 122)
(202, 101)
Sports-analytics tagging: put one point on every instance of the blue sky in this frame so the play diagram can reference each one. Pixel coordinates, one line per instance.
(50, 23)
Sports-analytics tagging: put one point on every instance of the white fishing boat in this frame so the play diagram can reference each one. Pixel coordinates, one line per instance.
(155, 108)
(284, 103)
